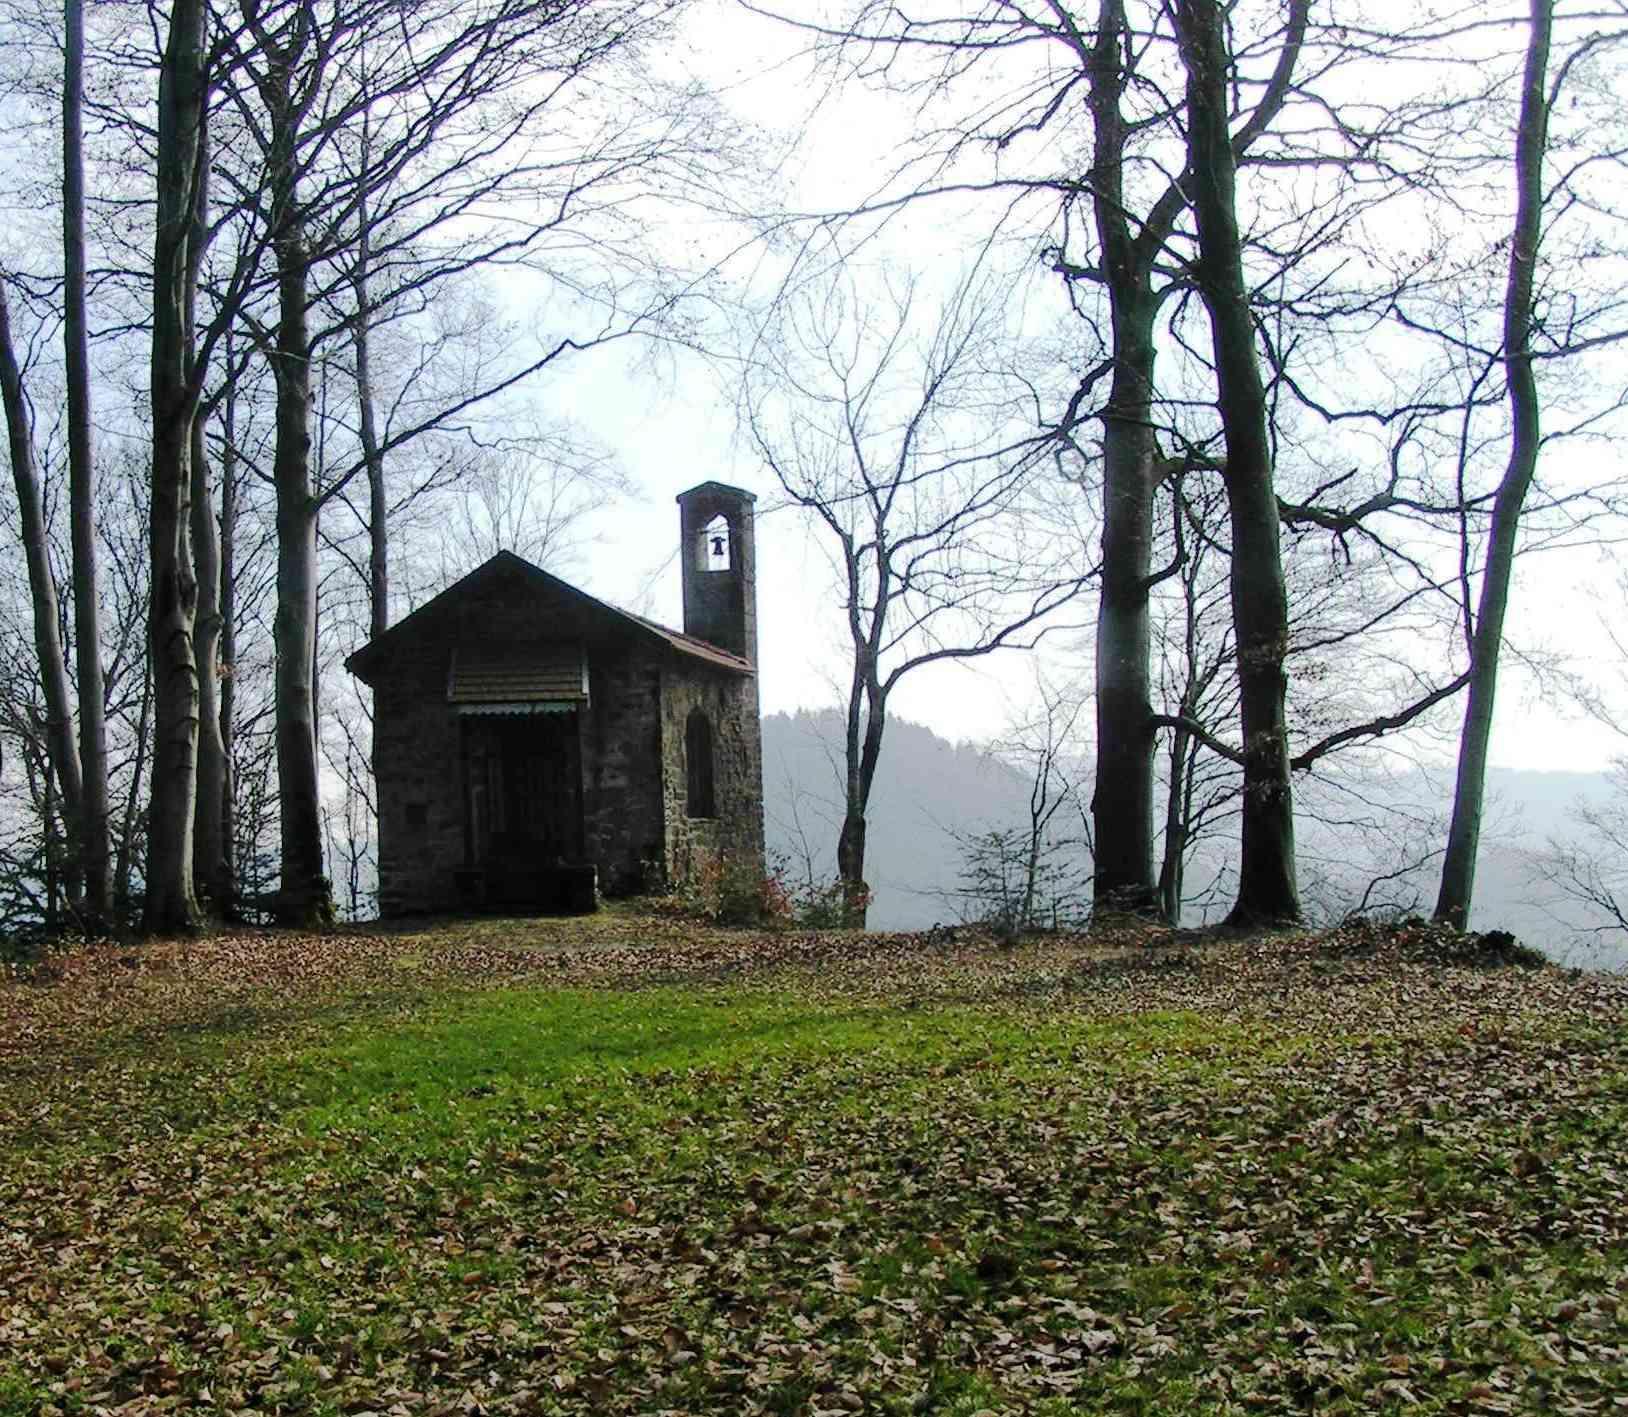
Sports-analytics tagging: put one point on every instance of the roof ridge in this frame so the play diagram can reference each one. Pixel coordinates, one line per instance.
(359, 662)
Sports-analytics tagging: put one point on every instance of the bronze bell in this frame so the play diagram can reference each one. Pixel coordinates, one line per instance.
(717, 546)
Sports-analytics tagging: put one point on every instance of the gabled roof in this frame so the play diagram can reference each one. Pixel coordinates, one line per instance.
(716, 489)
(690, 645)
(365, 661)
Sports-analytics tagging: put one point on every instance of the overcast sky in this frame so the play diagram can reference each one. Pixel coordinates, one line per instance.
(672, 432)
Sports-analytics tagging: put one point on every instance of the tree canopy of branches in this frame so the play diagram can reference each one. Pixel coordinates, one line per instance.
(1357, 230)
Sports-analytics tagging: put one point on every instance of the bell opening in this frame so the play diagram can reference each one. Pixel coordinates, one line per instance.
(715, 550)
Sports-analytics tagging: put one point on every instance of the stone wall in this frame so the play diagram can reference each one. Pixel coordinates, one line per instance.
(621, 755)
(418, 770)
(731, 705)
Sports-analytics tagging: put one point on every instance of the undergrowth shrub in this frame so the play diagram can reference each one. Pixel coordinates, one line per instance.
(1433, 942)
(724, 890)
(730, 891)
(27, 953)
(821, 905)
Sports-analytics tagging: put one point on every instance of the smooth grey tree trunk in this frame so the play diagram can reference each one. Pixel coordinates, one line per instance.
(303, 898)
(1122, 801)
(1172, 868)
(378, 502)
(1267, 889)
(210, 864)
(867, 723)
(211, 872)
(90, 829)
(227, 609)
(59, 742)
(124, 855)
(171, 904)
(862, 738)
(1457, 892)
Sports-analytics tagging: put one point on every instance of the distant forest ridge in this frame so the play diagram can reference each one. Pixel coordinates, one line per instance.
(929, 791)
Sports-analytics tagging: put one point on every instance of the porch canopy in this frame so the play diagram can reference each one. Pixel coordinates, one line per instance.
(548, 678)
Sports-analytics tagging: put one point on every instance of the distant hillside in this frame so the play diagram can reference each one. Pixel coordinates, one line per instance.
(924, 787)
(927, 786)
(1527, 810)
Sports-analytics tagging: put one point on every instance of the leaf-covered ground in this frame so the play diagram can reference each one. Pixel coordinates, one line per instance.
(626, 1165)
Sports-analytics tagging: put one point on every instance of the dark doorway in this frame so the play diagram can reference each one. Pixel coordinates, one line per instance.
(523, 804)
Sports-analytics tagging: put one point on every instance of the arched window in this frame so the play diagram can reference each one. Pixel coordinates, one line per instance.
(698, 766)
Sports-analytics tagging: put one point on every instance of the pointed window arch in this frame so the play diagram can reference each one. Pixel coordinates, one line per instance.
(699, 798)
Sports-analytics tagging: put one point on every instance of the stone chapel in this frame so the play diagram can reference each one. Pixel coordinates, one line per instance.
(531, 743)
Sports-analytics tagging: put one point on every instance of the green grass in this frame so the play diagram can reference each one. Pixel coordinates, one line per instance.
(792, 1195)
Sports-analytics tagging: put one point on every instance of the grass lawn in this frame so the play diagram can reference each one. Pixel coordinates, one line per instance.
(540, 1168)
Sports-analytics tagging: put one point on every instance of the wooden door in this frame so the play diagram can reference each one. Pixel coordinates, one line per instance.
(524, 802)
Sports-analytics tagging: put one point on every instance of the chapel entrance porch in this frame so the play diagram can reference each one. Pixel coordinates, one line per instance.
(524, 834)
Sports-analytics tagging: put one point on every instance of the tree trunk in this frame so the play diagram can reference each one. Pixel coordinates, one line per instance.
(50, 853)
(53, 668)
(1031, 873)
(1173, 867)
(1122, 800)
(304, 898)
(1267, 891)
(171, 905)
(378, 505)
(90, 825)
(125, 856)
(226, 608)
(851, 838)
(851, 866)
(862, 751)
(1122, 804)
(1531, 140)
(211, 870)
(210, 874)
(303, 894)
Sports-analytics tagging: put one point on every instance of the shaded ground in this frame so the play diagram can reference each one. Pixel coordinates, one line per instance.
(632, 1165)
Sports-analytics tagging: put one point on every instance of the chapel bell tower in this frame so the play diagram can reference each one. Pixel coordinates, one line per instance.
(719, 557)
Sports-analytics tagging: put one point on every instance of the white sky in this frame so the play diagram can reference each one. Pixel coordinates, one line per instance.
(668, 440)
(670, 435)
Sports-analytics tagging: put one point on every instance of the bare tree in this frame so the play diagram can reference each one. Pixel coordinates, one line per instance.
(91, 828)
(1003, 89)
(57, 735)
(123, 531)
(1340, 667)
(1260, 607)
(32, 840)
(531, 499)
(1194, 663)
(171, 901)
(1485, 631)
(1035, 874)
(916, 455)
(1586, 872)
(212, 867)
